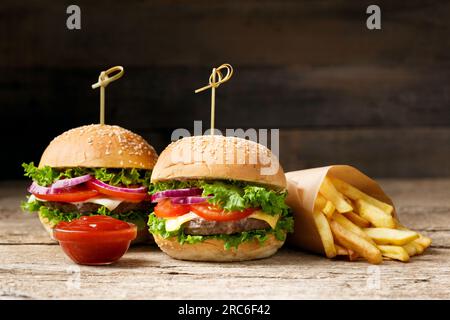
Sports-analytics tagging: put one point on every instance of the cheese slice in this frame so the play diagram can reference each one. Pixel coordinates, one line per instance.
(173, 224)
(271, 220)
(110, 203)
(32, 198)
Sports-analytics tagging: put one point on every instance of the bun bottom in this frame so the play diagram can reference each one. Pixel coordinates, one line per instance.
(212, 250)
(143, 235)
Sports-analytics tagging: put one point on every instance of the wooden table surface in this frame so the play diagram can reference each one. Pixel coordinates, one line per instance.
(33, 267)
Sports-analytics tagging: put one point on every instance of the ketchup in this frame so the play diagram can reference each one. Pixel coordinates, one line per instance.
(95, 240)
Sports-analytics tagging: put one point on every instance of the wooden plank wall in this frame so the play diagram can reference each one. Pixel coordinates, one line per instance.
(338, 92)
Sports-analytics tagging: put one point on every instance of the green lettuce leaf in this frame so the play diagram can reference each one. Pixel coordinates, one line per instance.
(173, 184)
(284, 225)
(46, 176)
(233, 195)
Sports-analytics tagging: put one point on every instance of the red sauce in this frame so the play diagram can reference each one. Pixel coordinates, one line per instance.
(95, 240)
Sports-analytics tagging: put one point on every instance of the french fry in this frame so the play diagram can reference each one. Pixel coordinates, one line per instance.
(394, 252)
(324, 205)
(350, 226)
(423, 241)
(320, 202)
(340, 250)
(325, 234)
(355, 243)
(385, 236)
(328, 190)
(356, 219)
(329, 209)
(355, 194)
(375, 215)
(352, 255)
(410, 248)
(419, 248)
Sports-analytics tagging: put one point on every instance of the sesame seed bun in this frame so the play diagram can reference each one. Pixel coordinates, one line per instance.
(219, 157)
(99, 146)
(212, 250)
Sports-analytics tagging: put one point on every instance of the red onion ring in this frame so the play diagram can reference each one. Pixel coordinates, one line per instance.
(188, 200)
(65, 183)
(37, 189)
(176, 193)
(103, 185)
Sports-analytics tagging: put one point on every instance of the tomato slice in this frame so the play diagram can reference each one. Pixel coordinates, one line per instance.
(70, 196)
(166, 209)
(214, 213)
(128, 196)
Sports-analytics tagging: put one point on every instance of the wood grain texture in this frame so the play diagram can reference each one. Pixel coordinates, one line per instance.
(307, 66)
(31, 267)
(412, 152)
(155, 97)
(205, 33)
(145, 273)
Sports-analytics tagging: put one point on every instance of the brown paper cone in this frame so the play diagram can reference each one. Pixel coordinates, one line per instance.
(303, 188)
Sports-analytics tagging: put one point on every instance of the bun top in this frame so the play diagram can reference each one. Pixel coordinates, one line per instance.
(219, 157)
(99, 146)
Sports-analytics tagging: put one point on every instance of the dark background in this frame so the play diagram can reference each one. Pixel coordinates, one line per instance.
(339, 92)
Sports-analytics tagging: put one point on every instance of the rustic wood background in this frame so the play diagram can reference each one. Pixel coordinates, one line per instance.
(340, 93)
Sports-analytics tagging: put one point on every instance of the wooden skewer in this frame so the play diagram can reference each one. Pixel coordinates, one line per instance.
(103, 80)
(215, 80)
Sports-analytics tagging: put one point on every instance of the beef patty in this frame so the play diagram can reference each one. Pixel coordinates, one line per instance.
(202, 227)
(87, 207)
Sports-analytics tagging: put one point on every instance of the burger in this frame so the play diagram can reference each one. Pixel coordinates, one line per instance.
(93, 170)
(219, 199)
